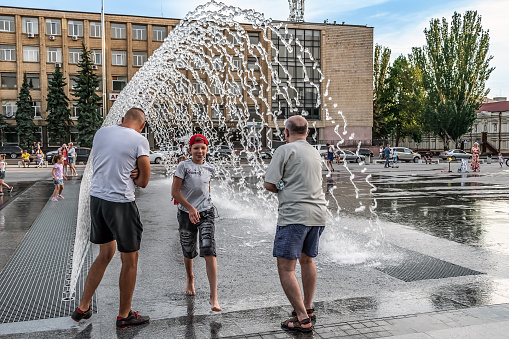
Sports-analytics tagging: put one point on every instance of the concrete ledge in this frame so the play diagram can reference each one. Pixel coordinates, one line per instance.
(33, 163)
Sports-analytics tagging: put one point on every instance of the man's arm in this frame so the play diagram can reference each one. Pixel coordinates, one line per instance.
(143, 165)
(270, 187)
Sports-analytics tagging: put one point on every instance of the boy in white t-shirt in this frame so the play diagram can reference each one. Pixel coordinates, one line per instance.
(191, 188)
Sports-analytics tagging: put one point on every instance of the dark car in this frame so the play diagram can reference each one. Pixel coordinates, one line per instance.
(12, 151)
(82, 154)
(366, 152)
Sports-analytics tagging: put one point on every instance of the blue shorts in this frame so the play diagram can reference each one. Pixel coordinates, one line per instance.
(70, 160)
(292, 240)
(58, 182)
(330, 156)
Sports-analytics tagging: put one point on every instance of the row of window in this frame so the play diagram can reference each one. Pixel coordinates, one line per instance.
(75, 28)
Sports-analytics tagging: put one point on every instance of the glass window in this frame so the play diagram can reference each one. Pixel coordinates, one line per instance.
(73, 81)
(75, 55)
(217, 63)
(8, 80)
(217, 87)
(139, 58)
(54, 54)
(6, 24)
(199, 111)
(31, 53)
(199, 87)
(96, 56)
(36, 107)
(159, 33)
(236, 88)
(75, 111)
(139, 32)
(198, 63)
(118, 58)
(254, 38)
(119, 83)
(234, 38)
(49, 77)
(118, 31)
(33, 80)
(95, 29)
(236, 63)
(30, 25)
(9, 109)
(252, 63)
(7, 53)
(217, 112)
(53, 27)
(75, 28)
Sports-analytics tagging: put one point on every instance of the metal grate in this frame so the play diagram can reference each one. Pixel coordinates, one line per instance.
(417, 266)
(33, 282)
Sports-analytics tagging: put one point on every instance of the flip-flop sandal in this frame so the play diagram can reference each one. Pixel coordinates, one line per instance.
(293, 324)
(310, 312)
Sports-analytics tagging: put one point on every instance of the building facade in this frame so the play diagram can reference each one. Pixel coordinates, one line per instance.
(34, 41)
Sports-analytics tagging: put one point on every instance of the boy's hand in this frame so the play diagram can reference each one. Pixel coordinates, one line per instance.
(134, 173)
(194, 215)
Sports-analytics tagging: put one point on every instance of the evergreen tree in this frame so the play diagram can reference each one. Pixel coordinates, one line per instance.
(3, 125)
(25, 126)
(59, 120)
(455, 67)
(89, 119)
(380, 69)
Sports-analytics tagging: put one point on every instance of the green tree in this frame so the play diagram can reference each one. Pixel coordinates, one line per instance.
(3, 125)
(89, 118)
(380, 68)
(402, 101)
(455, 67)
(59, 120)
(25, 126)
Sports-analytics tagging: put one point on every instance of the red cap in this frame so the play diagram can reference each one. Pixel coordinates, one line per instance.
(193, 140)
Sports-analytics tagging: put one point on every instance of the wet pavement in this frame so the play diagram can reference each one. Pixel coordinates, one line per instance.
(354, 297)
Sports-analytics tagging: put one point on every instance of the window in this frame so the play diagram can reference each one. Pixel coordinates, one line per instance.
(6, 24)
(75, 111)
(7, 53)
(234, 38)
(9, 109)
(119, 83)
(96, 56)
(236, 112)
(75, 28)
(118, 58)
(254, 38)
(217, 112)
(73, 82)
(236, 88)
(74, 135)
(179, 86)
(75, 55)
(95, 29)
(30, 25)
(252, 63)
(31, 53)
(53, 27)
(253, 115)
(236, 63)
(199, 87)
(139, 58)
(33, 80)
(199, 111)
(198, 63)
(9, 80)
(217, 63)
(217, 87)
(139, 32)
(118, 31)
(36, 107)
(159, 33)
(54, 54)
(255, 88)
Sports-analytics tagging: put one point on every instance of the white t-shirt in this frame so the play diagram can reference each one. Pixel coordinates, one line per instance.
(302, 200)
(195, 187)
(2, 169)
(115, 151)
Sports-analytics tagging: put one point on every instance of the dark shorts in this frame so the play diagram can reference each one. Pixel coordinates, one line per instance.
(292, 240)
(70, 160)
(118, 221)
(58, 182)
(2, 175)
(330, 156)
(189, 234)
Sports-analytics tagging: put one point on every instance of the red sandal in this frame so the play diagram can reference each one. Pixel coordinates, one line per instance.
(293, 324)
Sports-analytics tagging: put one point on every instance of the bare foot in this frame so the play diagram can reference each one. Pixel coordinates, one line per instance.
(215, 305)
(190, 287)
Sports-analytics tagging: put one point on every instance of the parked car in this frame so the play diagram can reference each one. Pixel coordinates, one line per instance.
(455, 154)
(155, 157)
(82, 154)
(321, 148)
(349, 156)
(406, 154)
(12, 151)
(366, 152)
(220, 152)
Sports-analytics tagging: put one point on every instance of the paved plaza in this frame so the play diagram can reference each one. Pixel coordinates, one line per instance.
(438, 269)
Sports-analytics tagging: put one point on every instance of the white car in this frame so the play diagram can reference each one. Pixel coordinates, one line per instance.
(155, 157)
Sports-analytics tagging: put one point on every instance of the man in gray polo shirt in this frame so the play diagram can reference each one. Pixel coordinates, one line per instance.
(295, 174)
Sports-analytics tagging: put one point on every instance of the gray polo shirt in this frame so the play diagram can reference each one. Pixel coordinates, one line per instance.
(302, 200)
(195, 185)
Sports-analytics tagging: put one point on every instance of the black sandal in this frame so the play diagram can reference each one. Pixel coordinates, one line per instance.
(297, 325)
(310, 312)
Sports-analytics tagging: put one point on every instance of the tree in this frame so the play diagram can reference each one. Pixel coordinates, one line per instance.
(455, 67)
(25, 126)
(380, 67)
(89, 118)
(59, 120)
(3, 125)
(402, 101)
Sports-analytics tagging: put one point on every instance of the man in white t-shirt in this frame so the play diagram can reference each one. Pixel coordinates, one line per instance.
(120, 161)
(295, 174)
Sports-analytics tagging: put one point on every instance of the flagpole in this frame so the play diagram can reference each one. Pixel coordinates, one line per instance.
(103, 35)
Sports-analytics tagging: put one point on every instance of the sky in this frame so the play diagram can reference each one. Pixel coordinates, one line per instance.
(398, 24)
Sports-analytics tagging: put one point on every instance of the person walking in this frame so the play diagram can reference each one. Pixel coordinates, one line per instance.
(330, 157)
(394, 158)
(65, 152)
(500, 159)
(295, 174)
(2, 175)
(387, 154)
(71, 159)
(120, 162)
(475, 165)
(381, 153)
(58, 177)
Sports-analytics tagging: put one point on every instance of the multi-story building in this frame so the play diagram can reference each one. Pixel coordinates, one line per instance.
(34, 41)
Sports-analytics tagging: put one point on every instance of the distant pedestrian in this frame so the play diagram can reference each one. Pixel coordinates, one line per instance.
(387, 154)
(381, 153)
(394, 158)
(40, 158)
(500, 159)
(25, 159)
(475, 165)
(65, 154)
(2, 175)
(427, 157)
(330, 156)
(71, 159)
(58, 177)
